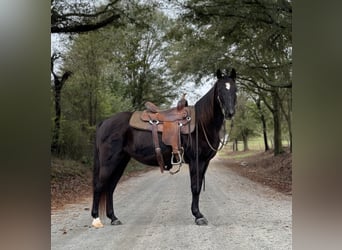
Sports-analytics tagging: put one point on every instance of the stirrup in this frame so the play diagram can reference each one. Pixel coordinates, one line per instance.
(175, 172)
(179, 163)
(180, 156)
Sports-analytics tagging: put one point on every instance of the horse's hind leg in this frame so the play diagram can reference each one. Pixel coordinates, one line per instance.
(105, 164)
(116, 175)
(98, 192)
(98, 185)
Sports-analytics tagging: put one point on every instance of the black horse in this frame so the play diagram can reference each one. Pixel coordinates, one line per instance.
(116, 142)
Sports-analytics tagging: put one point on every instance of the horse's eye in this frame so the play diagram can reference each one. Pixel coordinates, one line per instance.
(227, 85)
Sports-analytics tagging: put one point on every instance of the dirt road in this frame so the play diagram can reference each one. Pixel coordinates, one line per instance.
(155, 211)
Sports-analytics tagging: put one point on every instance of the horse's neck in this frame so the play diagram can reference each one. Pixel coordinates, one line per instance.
(216, 121)
(208, 111)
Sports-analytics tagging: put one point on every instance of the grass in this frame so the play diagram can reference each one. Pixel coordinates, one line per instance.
(256, 143)
(63, 168)
(133, 165)
(238, 155)
(255, 146)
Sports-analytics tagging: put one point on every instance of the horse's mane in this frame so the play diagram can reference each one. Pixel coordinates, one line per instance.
(204, 107)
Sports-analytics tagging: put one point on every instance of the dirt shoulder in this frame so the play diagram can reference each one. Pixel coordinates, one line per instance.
(262, 167)
(71, 181)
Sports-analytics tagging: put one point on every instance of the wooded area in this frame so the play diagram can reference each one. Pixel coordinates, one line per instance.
(118, 55)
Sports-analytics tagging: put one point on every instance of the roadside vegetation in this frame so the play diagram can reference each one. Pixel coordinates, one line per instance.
(260, 165)
(71, 180)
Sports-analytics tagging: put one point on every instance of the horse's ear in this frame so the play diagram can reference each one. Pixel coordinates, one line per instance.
(218, 74)
(233, 74)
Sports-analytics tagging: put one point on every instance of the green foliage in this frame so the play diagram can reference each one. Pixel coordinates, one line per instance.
(117, 68)
(74, 141)
(253, 36)
(139, 61)
(133, 165)
(246, 123)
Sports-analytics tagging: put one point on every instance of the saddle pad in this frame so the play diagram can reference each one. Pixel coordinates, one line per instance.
(136, 122)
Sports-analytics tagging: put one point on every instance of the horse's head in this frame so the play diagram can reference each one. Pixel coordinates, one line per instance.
(226, 92)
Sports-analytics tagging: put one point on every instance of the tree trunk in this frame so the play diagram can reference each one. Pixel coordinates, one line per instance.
(277, 123)
(290, 134)
(263, 122)
(288, 117)
(235, 145)
(245, 143)
(264, 132)
(55, 148)
(90, 107)
(57, 91)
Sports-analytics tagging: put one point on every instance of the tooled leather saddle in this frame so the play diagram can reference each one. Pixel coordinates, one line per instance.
(171, 123)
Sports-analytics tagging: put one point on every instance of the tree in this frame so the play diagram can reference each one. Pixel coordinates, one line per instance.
(85, 60)
(139, 60)
(260, 114)
(244, 121)
(89, 96)
(58, 83)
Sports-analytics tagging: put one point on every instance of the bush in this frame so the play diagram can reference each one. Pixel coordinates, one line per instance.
(76, 141)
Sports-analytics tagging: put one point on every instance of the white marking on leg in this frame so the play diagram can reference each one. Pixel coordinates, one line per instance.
(97, 223)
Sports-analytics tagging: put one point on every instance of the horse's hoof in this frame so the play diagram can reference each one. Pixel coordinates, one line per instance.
(116, 222)
(97, 223)
(201, 221)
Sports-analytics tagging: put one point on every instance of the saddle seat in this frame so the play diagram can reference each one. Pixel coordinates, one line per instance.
(152, 107)
(168, 115)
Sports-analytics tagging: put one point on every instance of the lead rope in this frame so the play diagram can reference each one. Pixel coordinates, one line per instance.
(223, 142)
(197, 170)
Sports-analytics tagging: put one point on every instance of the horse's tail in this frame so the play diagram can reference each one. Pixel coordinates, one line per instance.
(96, 174)
(102, 205)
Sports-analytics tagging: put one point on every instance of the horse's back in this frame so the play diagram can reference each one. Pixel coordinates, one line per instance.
(114, 126)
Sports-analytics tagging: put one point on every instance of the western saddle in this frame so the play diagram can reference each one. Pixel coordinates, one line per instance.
(171, 123)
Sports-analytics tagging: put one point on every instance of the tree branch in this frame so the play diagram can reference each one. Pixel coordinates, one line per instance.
(80, 27)
(255, 84)
(54, 57)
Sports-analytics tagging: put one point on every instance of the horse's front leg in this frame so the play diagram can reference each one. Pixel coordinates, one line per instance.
(196, 185)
